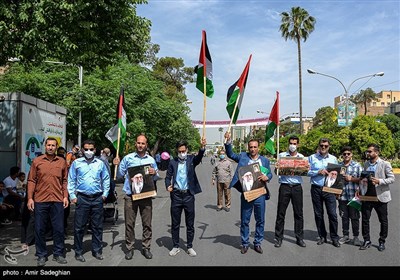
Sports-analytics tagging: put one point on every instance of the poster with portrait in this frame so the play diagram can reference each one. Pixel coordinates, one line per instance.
(334, 181)
(367, 188)
(293, 166)
(141, 182)
(252, 188)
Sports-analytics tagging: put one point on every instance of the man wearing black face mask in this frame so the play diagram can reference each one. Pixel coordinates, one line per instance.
(88, 187)
(290, 189)
(182, 183)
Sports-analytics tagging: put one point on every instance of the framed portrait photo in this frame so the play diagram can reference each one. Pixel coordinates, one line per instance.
(334, 181)
(367, 188)
(141, 182)
(252, 187)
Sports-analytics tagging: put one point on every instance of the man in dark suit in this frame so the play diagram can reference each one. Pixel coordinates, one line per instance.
(182, 183)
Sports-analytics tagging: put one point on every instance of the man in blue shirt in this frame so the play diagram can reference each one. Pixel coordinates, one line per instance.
(182, 184)
(132, 207)
(290, 189)
(258, 204)
(88, 187)
(318, 164)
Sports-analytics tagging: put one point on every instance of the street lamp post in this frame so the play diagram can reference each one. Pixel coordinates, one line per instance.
(346, 90)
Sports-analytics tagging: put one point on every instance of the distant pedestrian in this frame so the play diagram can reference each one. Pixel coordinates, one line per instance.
(222, 175)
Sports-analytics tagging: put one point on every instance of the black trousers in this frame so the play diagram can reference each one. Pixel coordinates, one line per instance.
(289, 193)
(182, 202)
(381, 211)
(348, 213)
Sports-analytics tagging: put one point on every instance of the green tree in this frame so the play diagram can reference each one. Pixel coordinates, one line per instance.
(297, 25)
(82, 32)
(364, 97)
(366, 130)
(393, 124)
(324, 116)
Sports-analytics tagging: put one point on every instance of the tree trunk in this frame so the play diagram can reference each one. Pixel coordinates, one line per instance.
(300, 87)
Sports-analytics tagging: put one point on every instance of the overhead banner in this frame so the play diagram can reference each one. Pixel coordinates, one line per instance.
(341, 115)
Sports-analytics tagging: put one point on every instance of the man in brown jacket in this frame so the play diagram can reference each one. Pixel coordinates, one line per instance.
(47, 197)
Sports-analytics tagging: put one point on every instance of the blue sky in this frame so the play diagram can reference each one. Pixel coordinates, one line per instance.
(351, 39)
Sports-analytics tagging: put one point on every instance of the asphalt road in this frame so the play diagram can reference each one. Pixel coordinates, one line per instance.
(217, 237)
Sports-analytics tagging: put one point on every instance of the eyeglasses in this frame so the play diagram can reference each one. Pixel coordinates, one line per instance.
(91, 149)
(324, 146)
(346, 154)
(370, 151)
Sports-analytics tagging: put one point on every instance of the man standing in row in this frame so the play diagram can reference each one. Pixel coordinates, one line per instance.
(182, 184)
(382, 179)
(48, 196)
(88, 187)
(290, 189)
(346, 212)
(223, 173)
(318, 172)
(133, 207)
(258, 204)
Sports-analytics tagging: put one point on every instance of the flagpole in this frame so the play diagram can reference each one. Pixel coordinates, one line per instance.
(233, 115)
(118, 143)
(277, 133)
(204, 104)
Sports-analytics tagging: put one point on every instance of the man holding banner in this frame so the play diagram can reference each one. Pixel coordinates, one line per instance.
(258, 204)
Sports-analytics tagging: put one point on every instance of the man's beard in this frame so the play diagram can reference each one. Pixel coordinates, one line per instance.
(139, 187)
(248, 185)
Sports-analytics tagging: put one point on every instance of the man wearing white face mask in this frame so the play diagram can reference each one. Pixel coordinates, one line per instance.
(223, 173)
(88, 187)
(290, 189)
(182, 183)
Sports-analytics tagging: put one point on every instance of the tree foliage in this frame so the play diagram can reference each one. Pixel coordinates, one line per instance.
(364, 97)
(163, 120)
(392, 122)
(82, 32)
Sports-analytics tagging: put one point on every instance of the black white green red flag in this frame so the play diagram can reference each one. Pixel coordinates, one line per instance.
(117, 133)
(204, 68)
(235, 94)
(272, 124)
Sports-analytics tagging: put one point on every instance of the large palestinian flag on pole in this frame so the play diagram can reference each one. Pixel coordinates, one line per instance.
(270, 129)
(204, 69)
(235, 94)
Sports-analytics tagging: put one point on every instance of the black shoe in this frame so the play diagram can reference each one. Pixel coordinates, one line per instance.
(381, 246)
(258, 249)
(227, 209)
(60, 259)
(336, 243)
(244, 249)
(278, 243)
(301, 243)
(129, 255)
(80, 258)
(365, 245)
(147, 254)
(219, 209)
(41, 261)
(321, 241)
(98, 256)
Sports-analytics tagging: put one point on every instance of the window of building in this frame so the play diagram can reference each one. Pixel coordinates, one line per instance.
(394, 98)
(382, 103)
(388, 96)
(388, 103)
(373, 103)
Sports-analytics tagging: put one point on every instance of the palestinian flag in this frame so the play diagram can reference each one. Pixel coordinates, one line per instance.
(270, 129)
(117, 133)
(235, 94)
(204, 69)
(355, 202)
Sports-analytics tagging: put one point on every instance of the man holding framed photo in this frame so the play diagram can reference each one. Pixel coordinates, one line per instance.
(382, 178)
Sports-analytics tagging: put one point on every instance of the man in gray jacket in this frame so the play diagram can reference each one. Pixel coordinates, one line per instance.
(383, 176)
(223, 173)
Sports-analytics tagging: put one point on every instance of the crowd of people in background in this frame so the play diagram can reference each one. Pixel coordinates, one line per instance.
(84, 176)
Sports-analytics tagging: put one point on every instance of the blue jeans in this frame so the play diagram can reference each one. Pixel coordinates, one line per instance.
(89, 207)
(44, 210)
(246, 209)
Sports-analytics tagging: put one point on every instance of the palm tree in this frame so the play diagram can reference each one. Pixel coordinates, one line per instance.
(297, 25)
(365, 97)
